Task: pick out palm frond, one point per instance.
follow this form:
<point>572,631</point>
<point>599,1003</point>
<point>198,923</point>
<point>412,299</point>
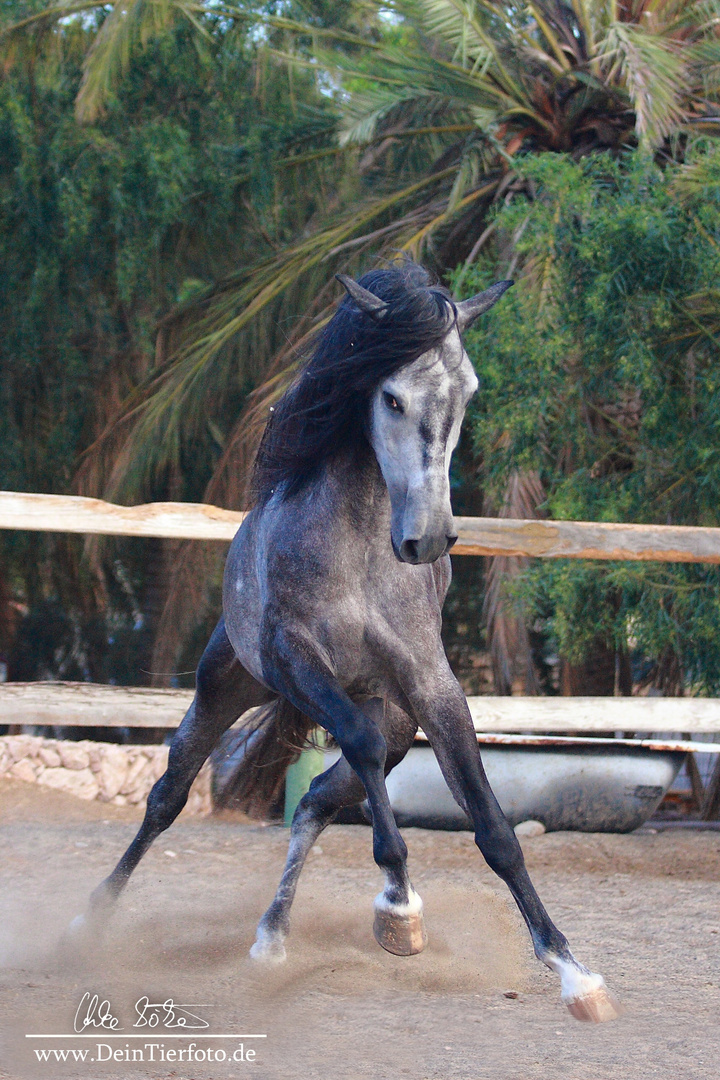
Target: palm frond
<point>562,60</point>
<point>699,177</point>
<point>654,72</point>
<point>586,13</point>
<point>456,22</point>
<point>25,42</point>
<point>153,423</point>
<point>704,58</point>
<point>368,109</point>
<point>130,24</point>
<point>699,18</point>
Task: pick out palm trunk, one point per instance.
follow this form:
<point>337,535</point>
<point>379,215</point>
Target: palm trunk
<point>509,640</point>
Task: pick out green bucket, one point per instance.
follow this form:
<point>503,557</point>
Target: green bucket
<point>300,775</point>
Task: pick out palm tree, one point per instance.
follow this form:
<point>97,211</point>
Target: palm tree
<point>435,112</point>
<point>436,109</point>
<point>104,227</point>
<point>434,105</point>
<point>547,77</point>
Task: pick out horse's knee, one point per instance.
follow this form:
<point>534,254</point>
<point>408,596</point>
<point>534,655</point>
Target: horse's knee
<point>500,849</point>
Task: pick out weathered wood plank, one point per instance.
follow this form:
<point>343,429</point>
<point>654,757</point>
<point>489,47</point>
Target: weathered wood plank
<point>73,513</point>
<point>586,540</point>
<point>92,704</point>
<point>476,536</point>
<point>595,714</point>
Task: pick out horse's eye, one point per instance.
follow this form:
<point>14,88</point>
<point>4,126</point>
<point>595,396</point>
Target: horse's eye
<point>392,402</point>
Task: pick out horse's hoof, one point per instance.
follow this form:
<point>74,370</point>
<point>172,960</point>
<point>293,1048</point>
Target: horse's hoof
<point>403,935</point>
<point>83,932</point>
<point>78,929</point>
<point>595,1007</point>
<point>79,940</point>
<point>268,949</point>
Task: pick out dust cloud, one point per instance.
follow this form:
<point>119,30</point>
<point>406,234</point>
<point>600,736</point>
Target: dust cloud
<point>184,926</point>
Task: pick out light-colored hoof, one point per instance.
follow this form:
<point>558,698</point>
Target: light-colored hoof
<point>84,932</point>
<point>80,941</point>
<point>403,935</point>
<point>268,950</point>
<point>78,928</point>
<point>596,1007</point>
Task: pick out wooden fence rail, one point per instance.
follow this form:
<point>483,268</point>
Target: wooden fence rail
<point>98,705</point>
<point>476,536</point>
<point>79,704</point>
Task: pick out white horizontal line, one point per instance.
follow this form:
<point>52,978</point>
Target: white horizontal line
<point>148,1035</point>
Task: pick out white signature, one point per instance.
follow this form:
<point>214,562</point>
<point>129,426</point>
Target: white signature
<point>166,1013</point>
<point>94,1013</point>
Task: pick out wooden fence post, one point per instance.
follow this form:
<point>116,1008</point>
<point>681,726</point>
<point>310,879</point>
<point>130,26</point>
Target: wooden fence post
<point>710,810</point>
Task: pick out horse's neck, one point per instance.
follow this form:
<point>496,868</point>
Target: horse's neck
<point>356,487</point>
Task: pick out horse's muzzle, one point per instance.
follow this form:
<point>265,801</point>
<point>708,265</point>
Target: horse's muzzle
<point>425,549</point>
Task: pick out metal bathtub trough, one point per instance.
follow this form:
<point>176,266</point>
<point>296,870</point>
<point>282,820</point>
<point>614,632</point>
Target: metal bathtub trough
<point>579,784</point>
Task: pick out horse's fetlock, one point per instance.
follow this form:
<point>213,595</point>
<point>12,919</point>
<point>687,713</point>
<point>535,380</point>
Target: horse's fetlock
<point>551,943</point>
<point>390,853</point>
<point>104,896</point>
<point>269,947</point>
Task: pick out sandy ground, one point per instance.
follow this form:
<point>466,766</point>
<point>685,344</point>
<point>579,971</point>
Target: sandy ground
<point>643,909</point>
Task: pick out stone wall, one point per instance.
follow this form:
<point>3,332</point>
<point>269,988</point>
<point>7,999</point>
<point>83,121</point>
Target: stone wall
<point>110,773</point>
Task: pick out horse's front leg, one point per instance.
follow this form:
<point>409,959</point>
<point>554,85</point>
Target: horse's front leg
<point>224,690</point>
<point>332,791</point>
<point>443,714</point>
<point>299,672</point>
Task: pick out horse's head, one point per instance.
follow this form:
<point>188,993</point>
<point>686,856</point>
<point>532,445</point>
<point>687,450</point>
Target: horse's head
<point>415,419</point>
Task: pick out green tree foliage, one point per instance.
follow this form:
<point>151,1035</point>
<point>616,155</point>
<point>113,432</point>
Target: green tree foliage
<point>180,180</point>
<point>433,100</point>
<point>601,374</point>
<point>105,230</point>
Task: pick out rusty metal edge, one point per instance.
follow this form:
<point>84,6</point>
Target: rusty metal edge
<point>672,745</point>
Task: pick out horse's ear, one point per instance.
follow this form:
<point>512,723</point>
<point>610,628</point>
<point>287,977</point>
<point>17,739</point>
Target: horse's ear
<point>368,302</point>
<point>468,310</point>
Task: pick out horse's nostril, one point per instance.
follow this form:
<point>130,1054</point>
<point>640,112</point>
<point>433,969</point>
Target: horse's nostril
<point>451,541</point>
<point>409,551</point>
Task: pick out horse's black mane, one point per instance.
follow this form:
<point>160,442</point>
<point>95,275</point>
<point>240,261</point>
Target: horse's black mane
<point>325,409</point>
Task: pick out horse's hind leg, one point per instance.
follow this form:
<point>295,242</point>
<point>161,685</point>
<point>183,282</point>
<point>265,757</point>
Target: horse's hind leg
<point>329,793</point>
<point>224,690</point>
<point>335,789</point>
<point>447,723</point>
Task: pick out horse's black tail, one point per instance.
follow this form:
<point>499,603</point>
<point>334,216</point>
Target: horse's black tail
<point>250,761</point>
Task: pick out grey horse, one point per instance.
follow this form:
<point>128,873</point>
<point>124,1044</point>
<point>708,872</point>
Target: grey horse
<point>332,604</point>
